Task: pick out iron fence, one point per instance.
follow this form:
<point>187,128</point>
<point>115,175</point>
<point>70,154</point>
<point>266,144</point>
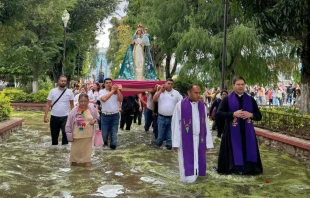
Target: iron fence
<point>288,122</point>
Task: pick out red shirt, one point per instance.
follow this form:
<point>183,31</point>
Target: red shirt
<point>144,98</point>
<point>269,95</point>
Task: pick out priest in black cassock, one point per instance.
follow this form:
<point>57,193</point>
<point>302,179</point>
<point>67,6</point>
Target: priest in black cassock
<point>239,153</point>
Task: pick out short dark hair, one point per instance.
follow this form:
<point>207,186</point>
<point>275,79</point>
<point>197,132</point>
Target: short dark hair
<point>107,79</point>
<point>224,91</point>
<point>190,87</point>
<point>169,79</point>
<point>62,76</point>
<point>238,78</point>
<point>83,96</point>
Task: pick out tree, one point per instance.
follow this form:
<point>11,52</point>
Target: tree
<point>85,21</point>
<point>31,35</point>
<point>193,31</point>
<point>37,37</point>
<point>288,20</point>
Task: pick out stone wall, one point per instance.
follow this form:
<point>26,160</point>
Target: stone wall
<point>9,126</point>
<point>28,106</point>
<point>279,142</point>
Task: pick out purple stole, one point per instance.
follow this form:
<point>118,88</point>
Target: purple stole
<point>187,138</point>
<point>251,147</point>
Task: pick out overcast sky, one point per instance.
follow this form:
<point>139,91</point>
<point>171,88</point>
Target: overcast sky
<point>104,38</point>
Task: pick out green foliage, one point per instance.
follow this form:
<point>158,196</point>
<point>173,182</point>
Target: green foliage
<point>46,84</point>
<point>17,95</point>
<point>40,96</point>
<point>120,39</point>
<point>181,83</point>
<point>32,33</point>
<point>5,108</point>
<point>285,120</point>
<point>281,109</point>
<point>193,31</point>
<point>287,20</point>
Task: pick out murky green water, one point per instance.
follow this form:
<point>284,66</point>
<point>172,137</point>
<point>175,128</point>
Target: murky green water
<point>30,167</point>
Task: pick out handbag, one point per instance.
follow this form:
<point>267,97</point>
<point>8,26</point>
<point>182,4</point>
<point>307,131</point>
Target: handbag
<point>98,141</point>
<point>212,116</point>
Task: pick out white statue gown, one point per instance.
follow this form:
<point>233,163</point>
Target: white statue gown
<point>138,57</point>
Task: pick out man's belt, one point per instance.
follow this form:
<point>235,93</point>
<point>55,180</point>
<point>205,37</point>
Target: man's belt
<point>110,113</point>
<point>164,116</point>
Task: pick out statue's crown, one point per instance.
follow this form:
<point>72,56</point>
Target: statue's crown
<point>140,26</point>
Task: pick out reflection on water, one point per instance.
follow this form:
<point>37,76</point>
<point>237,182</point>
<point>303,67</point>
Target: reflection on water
<point>31,167</point>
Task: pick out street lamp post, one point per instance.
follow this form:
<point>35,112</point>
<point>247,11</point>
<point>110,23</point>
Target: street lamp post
<point>153,54</point>
<point>65,18</point>
<point>224,46</point>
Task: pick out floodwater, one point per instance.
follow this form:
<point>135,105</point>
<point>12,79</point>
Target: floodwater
<point>31,167</point>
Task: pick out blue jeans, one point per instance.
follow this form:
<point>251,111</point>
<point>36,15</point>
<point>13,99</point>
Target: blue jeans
<point>109,125</point>
<point>274,101</point>
<point>155,118</point>
<point>164,131</point>
<point>148,119</point>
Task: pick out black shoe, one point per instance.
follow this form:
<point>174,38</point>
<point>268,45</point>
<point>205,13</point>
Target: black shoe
<point>112,147</point>
<point>214,168</point>
<point>169,147</point>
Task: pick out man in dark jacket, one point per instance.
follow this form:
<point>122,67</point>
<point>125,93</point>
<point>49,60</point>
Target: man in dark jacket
<point>218,122</point>
<point>128,110</point>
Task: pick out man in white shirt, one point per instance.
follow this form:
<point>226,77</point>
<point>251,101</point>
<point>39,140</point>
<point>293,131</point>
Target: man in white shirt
<point>167,99</point>
<point>109,98</point>
<point>191,135</point>
<point>58,100</point>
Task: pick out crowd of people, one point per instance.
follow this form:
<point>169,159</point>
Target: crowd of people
<point>276,95</point>
<point>181,124</point>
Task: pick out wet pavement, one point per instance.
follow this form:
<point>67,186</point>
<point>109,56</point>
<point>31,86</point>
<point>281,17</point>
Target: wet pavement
<point>31,167</point>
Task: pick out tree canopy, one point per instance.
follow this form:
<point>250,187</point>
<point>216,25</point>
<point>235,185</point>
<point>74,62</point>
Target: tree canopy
<point>189,34</point>
<point>31,35</point>
<point>288,21</point>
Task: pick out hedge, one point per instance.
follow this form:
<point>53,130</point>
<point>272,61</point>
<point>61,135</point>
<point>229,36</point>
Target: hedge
<point>285,120</point>
<point>16,95</point>
<point>5,108</point>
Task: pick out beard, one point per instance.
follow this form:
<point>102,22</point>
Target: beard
<point>62,86</point>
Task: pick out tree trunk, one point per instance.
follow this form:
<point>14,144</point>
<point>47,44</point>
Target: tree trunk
<point>305,74</point>
<point>35,81</point>
<point>168,60</point>
<point>15,82</point>
<point>174,68</point>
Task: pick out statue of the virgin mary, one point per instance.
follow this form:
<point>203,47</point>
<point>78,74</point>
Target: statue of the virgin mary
<point>137,63</point>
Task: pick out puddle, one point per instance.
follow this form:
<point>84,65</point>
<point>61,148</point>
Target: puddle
<point>152,181</point>
<point>110,191</point>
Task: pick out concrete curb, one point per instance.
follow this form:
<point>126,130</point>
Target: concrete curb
<point>300,143</point>
<point>11,123</point>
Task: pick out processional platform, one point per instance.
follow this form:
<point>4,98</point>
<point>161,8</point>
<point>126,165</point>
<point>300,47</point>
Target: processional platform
<point>132,87</point>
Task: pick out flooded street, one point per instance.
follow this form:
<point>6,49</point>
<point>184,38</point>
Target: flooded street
<point>31,167</point>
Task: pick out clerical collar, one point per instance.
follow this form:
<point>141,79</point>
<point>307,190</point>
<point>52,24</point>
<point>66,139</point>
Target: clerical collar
<point>239,94</point>
<point>193,102</point>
